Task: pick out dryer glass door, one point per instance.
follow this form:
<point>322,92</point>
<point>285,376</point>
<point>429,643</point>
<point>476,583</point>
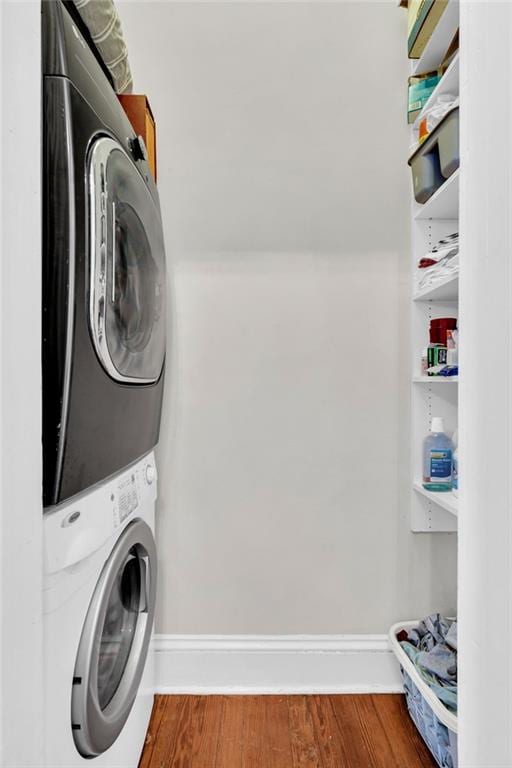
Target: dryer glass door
<point>127,268</point>
<point>114,642</point>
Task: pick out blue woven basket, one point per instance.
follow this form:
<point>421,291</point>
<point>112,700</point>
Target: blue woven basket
<point>436,724</point>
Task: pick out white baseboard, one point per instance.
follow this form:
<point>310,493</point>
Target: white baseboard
<point>273,664</point>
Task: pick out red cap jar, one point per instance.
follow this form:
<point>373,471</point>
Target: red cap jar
<point>438,328</point>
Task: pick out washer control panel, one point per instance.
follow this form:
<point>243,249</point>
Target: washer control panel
<point>76,529</point>
<point>127,498</point>
<point>150,474</point>
<point>133,489</point>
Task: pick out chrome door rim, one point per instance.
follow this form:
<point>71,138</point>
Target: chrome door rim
<point>101,150</point>
<point>94,729</point>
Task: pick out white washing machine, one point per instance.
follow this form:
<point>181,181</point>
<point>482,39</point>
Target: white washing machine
<point>99,601</point>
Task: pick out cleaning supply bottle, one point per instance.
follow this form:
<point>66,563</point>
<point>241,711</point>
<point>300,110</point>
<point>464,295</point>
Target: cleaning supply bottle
<point>455,464</point>
<point>437,458</point>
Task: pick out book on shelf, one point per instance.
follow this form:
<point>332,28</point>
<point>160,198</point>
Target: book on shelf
<point>423,18</point>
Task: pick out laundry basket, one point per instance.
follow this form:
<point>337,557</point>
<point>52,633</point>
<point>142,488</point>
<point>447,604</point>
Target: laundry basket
<point>437,725</point>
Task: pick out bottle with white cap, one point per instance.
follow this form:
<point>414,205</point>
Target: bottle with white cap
<point>437,458</point>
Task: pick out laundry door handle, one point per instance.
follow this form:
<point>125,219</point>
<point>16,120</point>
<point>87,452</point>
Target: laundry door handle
<point>144,586</point>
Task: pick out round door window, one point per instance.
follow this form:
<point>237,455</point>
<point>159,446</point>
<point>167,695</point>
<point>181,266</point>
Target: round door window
<point>114,642</point>
<point>119,628</point>
<point>127,268</point>
<point>137,293</point>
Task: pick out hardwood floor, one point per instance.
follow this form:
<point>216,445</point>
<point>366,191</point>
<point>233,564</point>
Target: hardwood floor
<point>283,732</point>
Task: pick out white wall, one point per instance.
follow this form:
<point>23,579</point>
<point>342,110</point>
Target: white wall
<point>485,615</point>
<point>21,666</point>
<point>284,456</point>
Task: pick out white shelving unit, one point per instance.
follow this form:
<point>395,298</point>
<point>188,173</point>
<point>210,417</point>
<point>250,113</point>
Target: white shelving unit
<point>437,218</point>
<point>440,40</point>
<point>444,290</point>
<point>447,501</point>
<point>435,380</point>
<point>444,204</point>
<point>449,83</point>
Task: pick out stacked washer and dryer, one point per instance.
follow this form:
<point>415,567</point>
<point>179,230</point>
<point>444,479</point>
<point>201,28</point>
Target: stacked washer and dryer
<point>103,362</point>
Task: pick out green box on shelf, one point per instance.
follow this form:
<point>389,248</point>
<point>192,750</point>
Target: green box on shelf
<point>420,90</point>
<point>436,355</point>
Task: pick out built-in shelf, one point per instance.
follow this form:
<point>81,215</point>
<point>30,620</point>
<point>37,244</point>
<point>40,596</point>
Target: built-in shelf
<point>440,39</point>
<point>446,500</point>
<point>435,379</point>
<point>444,290</point>
<point>444,204</point>
<point>434,220</point>
<point>449,83</point>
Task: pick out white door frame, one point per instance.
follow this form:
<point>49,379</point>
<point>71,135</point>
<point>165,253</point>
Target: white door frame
<point>21,641</point>
<point>485,389</point>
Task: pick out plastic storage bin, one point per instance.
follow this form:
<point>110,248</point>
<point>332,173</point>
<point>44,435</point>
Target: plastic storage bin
<point>436,724</point>
<point>437,158</point>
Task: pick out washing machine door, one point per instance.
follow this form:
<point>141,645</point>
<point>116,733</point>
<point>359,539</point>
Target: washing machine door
<point>114,642</point>
<point>126,267</point>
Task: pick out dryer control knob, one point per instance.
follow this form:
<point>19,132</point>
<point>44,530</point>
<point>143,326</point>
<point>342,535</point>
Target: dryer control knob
<point>150,474</point>
<point>138,148</point>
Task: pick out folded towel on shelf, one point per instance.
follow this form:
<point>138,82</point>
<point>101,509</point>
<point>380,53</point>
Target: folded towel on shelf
<point>104,25</point>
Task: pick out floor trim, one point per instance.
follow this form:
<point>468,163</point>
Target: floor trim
<point>272,664</point>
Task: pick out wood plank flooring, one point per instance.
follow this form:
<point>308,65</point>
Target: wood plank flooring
<point>283,732</point>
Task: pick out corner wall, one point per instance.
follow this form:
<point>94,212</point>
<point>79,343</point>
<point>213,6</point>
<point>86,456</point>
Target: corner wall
<point>284,450</point>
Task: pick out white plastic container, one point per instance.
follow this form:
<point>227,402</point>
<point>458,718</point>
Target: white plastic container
<point>436,724</point>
